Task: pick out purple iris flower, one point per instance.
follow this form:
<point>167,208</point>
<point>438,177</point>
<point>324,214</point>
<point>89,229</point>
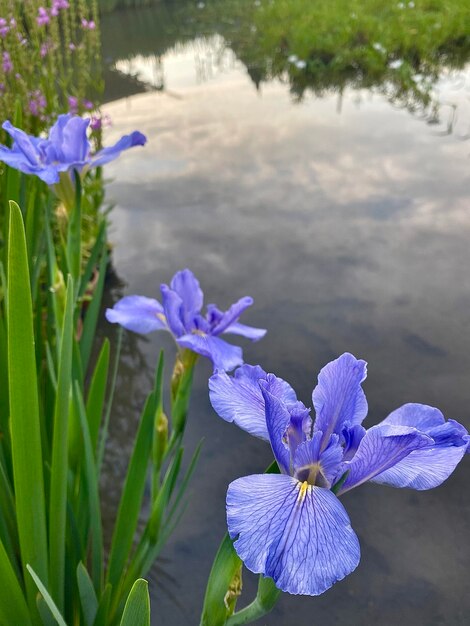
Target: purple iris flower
<point>66,148</point>
<point>180,313</point>
<point>291,526</point>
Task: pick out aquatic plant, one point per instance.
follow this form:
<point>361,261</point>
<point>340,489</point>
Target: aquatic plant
<point>180,314</point>
<point>291,526</point>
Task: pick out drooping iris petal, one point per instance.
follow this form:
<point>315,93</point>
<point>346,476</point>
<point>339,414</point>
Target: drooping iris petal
<point>173,307</point>
<point>232,315</point>
<point>381,448</point>
<point>250,332</point>
<point>423,469</point>
<point>319,467</point>
<point>137,313</point>
<point>277,422</point>
<point>23,142</point>
<point>187,287</point>
<point>297,534</point>
<point>112,152</point>
<point>338,398</point>
<point>224,356</point>
<point>239,399</point>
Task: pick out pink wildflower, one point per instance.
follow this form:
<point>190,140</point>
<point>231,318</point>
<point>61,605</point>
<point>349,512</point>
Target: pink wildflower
<point>43,17</point>
<point>7,63</point>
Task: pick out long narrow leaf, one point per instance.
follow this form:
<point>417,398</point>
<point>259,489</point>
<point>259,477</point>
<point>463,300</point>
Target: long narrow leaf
<point>132,493</point>
<point>101,618</point>
<point>107,415</point>
<point>13,607</point>
<point>87,593</point>
<point>24,409</point>
<point>91,317</point>
<point>59,465</point>
<point>93,259</point>
<point>93,495</point>
<point>45,594</point>
<point>97,393</point>
<point>137,609</point>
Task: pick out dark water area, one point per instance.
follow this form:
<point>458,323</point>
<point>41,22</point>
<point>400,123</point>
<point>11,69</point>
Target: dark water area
<point>346,217</point>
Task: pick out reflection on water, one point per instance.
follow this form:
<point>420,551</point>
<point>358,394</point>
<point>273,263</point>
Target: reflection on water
<point>351,232</point>
<point>401,51</point>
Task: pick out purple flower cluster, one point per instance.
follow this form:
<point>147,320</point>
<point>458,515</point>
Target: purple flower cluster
<point>44,15</point>
<point>4,27</point>
<point>88,24</point>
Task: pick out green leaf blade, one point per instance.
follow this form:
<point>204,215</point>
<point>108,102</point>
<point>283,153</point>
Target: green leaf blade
<point>24,408</point>
<point>59,465</point>
<point>137,609</point>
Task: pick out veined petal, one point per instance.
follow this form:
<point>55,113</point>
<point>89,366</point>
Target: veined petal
<point>186,285</point>
<point>112,152</point>
<point>239,399</point>
<point>174,312</point>
<point>232,315</point>
<point>297,534</point>
<point>138,313</point>
<point>223,355</point>
<point>381,448</point>
<point>250,332</point>
<point>277,422</point>
<point>419,416</point>
<point>338,398</point>
<point>423,469</point>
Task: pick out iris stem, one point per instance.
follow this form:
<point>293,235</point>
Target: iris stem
<point>253,611</point>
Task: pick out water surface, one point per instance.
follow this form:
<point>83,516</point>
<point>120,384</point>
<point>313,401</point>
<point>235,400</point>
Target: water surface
<point>347,219</point>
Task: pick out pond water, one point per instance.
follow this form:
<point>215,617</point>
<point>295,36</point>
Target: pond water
<point>347,219</point>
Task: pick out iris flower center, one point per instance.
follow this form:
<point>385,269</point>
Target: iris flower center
<point>313,475</point>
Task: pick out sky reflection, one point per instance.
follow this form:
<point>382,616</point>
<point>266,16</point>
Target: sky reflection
<point>351,231</point>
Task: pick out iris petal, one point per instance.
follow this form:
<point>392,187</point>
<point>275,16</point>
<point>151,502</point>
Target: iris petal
<point>381,448</point>
<point>75,145</point>
<point>277,422</point>
<point>232,315</point>
<point>174,312</point>
<point>112,152</point>
<point>298,535</point>
<point>420,416</point>
<point>137,313</point>
<point>250,332</point>
<point>338,398</point>
<point>239,399</point>
<point>187,287</point>
<point>423,469</point>
<point>23,142</point>
<point>223,355</point>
